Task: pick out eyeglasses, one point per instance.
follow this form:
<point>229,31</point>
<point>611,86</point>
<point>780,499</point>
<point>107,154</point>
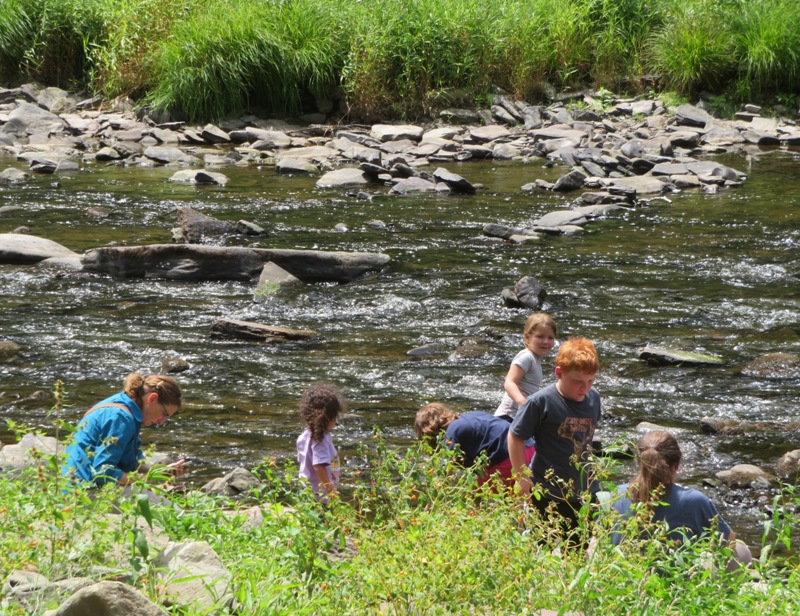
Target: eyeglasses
<point>164,410</point>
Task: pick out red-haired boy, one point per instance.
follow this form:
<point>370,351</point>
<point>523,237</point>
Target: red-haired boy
<point>561,418</point>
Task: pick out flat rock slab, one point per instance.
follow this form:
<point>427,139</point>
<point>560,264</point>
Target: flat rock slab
<point>200,262</point>
<point>248,330</point>
<point>342,177</point>
<point>642,184</point>
<point>21,249</point>
<point>395,132</point>
<point>671,357</point>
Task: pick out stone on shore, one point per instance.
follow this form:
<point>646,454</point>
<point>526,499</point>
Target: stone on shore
<point>108,598</point>
<point>29,119</point>
<point>232,329</point>
<point>396,132</point>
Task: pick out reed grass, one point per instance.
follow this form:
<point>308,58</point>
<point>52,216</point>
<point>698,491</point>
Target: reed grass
<point>206,59</point>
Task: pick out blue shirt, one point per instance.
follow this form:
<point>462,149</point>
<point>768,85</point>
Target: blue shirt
<point>687,512</point>
<point>106,443</point>
<point>478,432</point>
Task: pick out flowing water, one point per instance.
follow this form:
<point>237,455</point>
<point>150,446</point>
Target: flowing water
<point>710,273</point>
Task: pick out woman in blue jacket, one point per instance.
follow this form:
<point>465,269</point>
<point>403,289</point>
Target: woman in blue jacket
<point>106,447</point>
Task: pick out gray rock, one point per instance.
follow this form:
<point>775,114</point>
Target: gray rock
<point>291,164</point>
<point>494,230</point>
<point>689,115</point>
<point>671,357</point>
<point>198,228</point>
<point>8,349</point>
<point>485,134</point>
<point>268,139</point>
<point>200,262</point>
<point>18,249</point>
<point>456,183</point>
<point>669,169</point>
<point>530,292</point>
<point>560,218</point>
<point>214,134</point>
<point>642,185</point>
<point>501,114</point>
<point>505,151</point>
<point>460,116</point>
<point>232,329</point>
<point>410,185</point>
<point>774,366</point>
<point>107,154</point>
<point>210,177</point>
<point>108,599</point>
<point>166,155</point>
<point>239,482</point>
<point>28,119</point>
<point>715,425</point>
<point>709,167</point>
<point>245,227</point>
<point>339,178</point>
<point>744,476</point>
<point>20,455</point>
<point>12,175</point>
<point>174,365</point>
<point>194,577</point>
<point>396,132</point>
<point>427,350</point>
<point>569,182</point>
<point>272,278</point>
<point>789,464</point>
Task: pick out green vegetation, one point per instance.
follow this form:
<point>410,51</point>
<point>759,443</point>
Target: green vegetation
<point>392,58</point>
<point>414,535</point>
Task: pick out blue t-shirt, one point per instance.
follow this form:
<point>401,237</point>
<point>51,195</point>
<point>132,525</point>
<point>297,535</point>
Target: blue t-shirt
<point>107,442</point>
<point>477,432</point>
<point>563,431</point>
<point>687,512</point>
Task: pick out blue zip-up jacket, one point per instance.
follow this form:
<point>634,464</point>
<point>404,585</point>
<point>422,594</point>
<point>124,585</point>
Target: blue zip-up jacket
<point>107,443</point>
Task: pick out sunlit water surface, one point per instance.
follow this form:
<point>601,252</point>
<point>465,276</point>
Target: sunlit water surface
<point>710,273</point>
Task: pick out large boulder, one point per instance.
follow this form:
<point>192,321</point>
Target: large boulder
<point>28,119</point>
<point>22,249</point>
<point>199,262</point>
<point>31,450</point>
<point>239,482</point>
<point>193,576</point>
<point>109,599</point>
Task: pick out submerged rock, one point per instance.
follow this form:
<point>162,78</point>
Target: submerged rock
<point>774,366</point>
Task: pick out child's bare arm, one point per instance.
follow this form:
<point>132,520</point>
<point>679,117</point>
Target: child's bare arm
<point>516,453</point>
<point>323,477</point>
<point>513,378</point>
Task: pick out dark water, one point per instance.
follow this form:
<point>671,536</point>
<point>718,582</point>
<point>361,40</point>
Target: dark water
<point>709,273</point>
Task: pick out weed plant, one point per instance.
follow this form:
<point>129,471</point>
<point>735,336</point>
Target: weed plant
<point>415,534</point>
<point>384,59</point>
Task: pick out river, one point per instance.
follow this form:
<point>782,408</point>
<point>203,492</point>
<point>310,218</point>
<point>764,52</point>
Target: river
<point>711,273</point>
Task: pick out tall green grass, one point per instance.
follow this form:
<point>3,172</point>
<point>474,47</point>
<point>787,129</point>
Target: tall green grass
<point>393,58</point>
<point>767,44</point>
<point>239,54</point>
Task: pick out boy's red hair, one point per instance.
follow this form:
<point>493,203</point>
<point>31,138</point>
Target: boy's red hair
<point>578,355</point>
